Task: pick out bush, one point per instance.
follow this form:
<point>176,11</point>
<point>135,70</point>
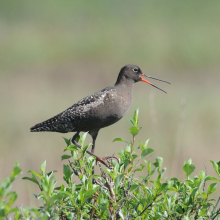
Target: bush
<point>116,193</point>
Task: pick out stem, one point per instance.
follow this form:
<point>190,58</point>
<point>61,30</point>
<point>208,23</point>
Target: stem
<point>132,145</point>
<point>148,206</point>
<point>131,153</point>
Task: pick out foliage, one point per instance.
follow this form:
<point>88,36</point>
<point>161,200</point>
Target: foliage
<point>7,199</point>
<point>116,192</point>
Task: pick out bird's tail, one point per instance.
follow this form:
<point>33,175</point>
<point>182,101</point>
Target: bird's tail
<point>48,125</point>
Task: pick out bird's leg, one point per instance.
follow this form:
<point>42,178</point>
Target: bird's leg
<point>93,149</point>
<point>88,152</point>
<point>94,135</point>
<point>93,145</point>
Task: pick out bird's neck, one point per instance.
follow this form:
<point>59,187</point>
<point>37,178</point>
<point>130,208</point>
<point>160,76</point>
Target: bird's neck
<point>124,96</point>
<point>125,87</point>
<point>123,81</point>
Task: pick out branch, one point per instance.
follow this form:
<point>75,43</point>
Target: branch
<point>74,170</point>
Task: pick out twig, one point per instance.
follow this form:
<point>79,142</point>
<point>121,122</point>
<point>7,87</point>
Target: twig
<point>147,206</point>
<point>105,177</point>
<point>205,175</point>
<point>131,170</point>
<point>22,211</point>
<point>216,206</point>
<point>129,183</point>
<point>98,183</point>
<point>74,170</point>
<point>216,214</point>
<point>137,188</point>
<point>110,186</point>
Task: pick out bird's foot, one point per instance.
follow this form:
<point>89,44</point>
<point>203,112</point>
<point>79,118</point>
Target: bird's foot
<point>92,154</point>
<point>98,159</point>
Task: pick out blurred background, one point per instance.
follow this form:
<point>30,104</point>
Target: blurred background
<point>53,53</point>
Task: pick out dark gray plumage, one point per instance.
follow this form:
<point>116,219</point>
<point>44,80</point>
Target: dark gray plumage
<point>98,110</point>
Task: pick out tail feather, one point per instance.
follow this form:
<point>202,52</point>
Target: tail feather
<point>52,124</point>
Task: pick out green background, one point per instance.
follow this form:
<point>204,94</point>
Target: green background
<point>53,53</point>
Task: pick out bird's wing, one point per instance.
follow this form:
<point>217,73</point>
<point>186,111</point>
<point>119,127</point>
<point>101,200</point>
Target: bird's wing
<point>72,117</point>
<point>79,110</point>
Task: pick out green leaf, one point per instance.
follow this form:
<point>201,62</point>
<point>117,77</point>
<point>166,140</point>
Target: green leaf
<point>95,176</point>
<point>131,120</point>
<point>66,193</point>
<point>16,171</point>
<point>109,173</point>
<point>13,210</point>
<point>121,215</point>
<point>134,156</point>
<point>203,212</point>
<point>118,139</point>
<point>85,148</point>
<point>216,166</point>
<point>204,195</point>
<point>188,167</point>
<point>88,194</point>
<point>64,157</point>
<point>134,130</point>
<point>13,197</point>
<point>35,173</point>
<point>148,164</point>
<point>71,147</point>
<point>83,137</point>
<point>135,118</point>
<point>68,142</point>
<point>193,194</point>
<point>146,143</point>
<point>43,167</point>
<point>144,146</point>
<point>138,169</point>
<point>157,184</point>
<point>211,178</point>
<point>202,175</point>
<point>211,188</point>
<point>146,152</point>
<point>67,173</point>
<point>126,162</point>
<point>128,149</point>
<point>50,173</point>
<point>141,145</point>
<point>118,180</point>
<point>115,171</point>
<point>33,179</point>
<point>159,162</point>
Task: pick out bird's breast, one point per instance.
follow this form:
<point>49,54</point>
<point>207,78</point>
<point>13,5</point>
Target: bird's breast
<point>113,107</point>
<point>106,108</point>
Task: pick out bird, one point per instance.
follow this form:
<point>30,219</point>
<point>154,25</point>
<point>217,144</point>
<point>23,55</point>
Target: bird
<point>99,110</point>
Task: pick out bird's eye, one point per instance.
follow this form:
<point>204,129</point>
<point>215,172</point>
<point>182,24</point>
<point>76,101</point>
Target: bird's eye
<point>135,70</point>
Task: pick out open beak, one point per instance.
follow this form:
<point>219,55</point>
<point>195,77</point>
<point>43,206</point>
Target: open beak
<point>151,83</point>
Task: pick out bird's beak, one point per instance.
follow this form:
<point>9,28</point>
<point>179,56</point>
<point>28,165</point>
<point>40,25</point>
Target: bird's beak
<point>151,83</point>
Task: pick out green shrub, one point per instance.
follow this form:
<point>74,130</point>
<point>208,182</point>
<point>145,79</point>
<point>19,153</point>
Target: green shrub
<point>116,192</point>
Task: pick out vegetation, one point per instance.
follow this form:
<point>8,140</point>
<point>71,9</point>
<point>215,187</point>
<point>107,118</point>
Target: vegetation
<point>116,192</point>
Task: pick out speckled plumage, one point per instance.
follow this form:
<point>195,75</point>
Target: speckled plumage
<point>88,114</point>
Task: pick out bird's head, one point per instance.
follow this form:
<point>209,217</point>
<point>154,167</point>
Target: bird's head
<point>132,73</point>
